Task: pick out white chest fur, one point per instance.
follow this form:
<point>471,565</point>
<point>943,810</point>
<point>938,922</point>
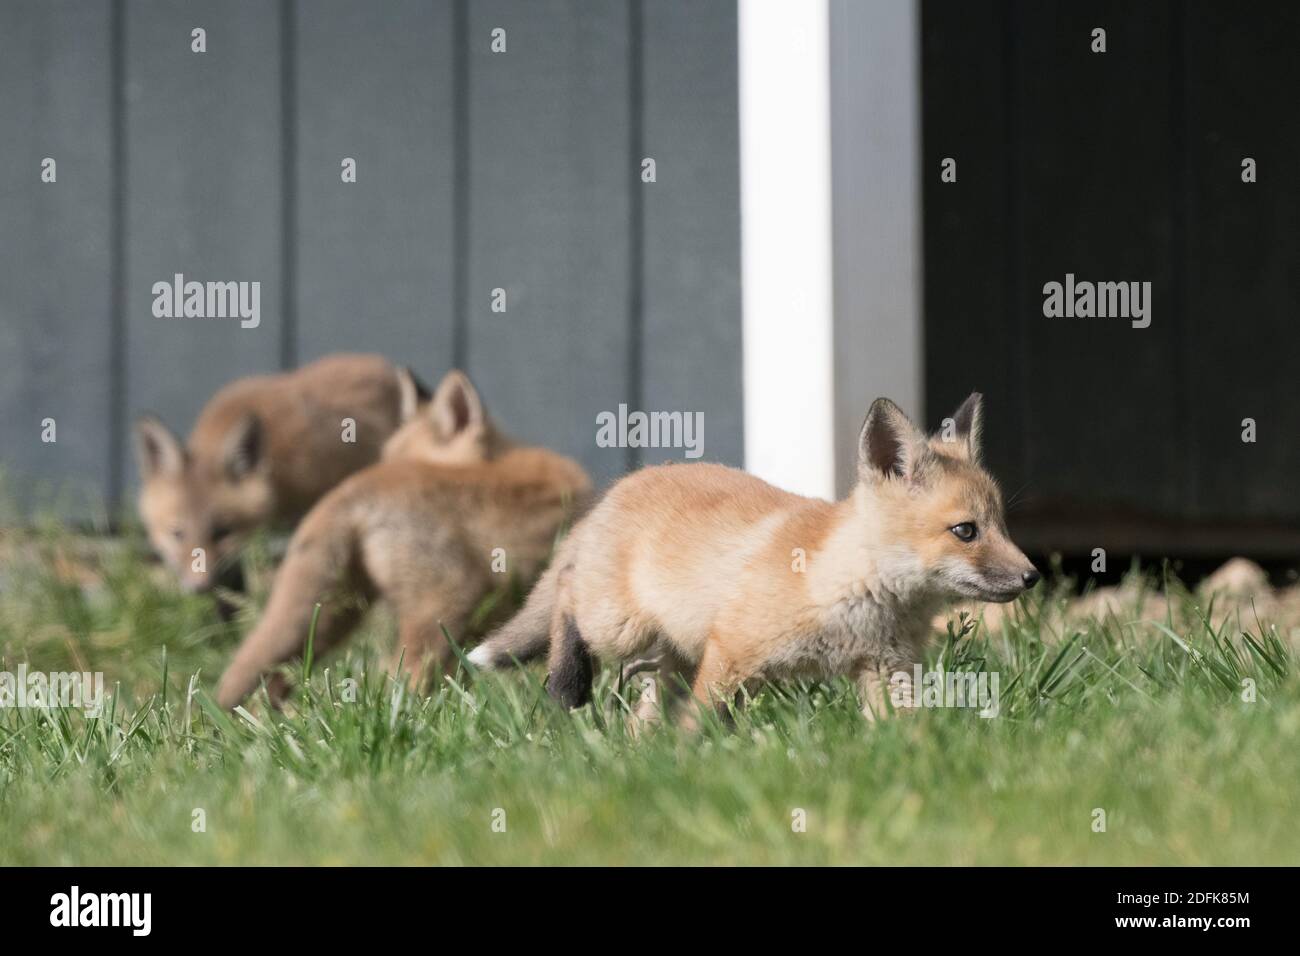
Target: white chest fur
<point>856,633</point>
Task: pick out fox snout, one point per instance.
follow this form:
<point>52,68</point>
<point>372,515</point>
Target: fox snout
<point>197,582</point>
<point>994,569</point>
<point>1010,584</point>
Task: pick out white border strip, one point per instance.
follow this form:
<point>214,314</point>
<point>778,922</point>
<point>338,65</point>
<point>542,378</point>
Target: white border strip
<point>786,272</point>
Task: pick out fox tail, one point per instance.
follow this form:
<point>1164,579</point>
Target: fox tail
<point>526,636</point>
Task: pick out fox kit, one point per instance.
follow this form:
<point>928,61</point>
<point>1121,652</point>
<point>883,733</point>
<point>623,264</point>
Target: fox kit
<point>735,582</point>
<point>422,529</point>
<point>263,450</point>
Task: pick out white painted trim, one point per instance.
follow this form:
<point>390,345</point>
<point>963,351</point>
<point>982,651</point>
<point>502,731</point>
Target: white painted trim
<point>785,195</point>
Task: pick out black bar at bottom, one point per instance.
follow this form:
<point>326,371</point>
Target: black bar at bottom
<point>336,906</point>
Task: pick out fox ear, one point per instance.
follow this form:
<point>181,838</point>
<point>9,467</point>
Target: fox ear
<point>968,421</point>
<point>157,449</point>
<point>242,451</point>
<point>411,394</point>
<point>456,405</point>
<point>889,444</point>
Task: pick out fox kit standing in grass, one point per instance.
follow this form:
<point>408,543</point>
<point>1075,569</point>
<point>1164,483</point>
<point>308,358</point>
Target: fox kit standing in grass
<point>263,450</point>
<point>422,529</point>
<point>705,562</point>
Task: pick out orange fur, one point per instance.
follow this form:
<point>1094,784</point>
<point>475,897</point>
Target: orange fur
<point>263,451</point>
<point>418,530</point>
<point>736,581</point>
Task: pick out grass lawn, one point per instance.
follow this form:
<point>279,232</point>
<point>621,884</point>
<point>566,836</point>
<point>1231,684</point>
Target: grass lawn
<point>1142,719</point>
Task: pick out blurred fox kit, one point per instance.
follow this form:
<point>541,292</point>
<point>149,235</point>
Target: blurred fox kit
<point>701,564</point>
<point>263,451</point>
<point>420,529</point>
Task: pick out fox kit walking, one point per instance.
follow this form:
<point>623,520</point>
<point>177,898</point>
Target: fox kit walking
<point>262,452</point>
<point>421,529</point>
<point>737,582</point>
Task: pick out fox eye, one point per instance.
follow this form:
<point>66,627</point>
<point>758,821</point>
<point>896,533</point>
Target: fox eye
<point>178,533</point>
<point>966,531</point>
<point>220,532</point>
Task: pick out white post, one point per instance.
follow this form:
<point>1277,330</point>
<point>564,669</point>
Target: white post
<point>785,196</point>
<point>830,140</point>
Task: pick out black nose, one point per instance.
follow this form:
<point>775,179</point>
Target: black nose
<point>1031,577</point>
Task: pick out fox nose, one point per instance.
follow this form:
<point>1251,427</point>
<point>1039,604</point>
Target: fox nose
<point>1031,577</point>
<point>197,584</point>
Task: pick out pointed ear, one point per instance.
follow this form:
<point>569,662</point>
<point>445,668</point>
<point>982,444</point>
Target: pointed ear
<point>158,451</point>
<point>242,450</point>
<point>968,421</point>
<point>456,405</point>
<point>411,392</point>
<point>889,444</point>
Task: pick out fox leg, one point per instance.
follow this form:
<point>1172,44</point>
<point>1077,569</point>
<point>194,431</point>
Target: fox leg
<point>431,603</point>
<point>666,693</point>
<point>282,634</point>
<point>229,578</point>
<point>717,683</point>
<point>885,689</point>
<point>569,662</point>
<point>319,567</point>
<point>570,666</point>
<point>426,653</point>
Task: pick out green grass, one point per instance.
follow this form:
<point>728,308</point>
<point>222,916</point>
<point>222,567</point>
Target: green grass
<point>1143,720</point>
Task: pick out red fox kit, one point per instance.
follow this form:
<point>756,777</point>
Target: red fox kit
<point>422,529</point>
<point>736,582</point>
<point>263,450</point>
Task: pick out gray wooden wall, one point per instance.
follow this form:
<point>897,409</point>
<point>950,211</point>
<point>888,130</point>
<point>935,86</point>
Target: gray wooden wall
<point>476,170</point>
